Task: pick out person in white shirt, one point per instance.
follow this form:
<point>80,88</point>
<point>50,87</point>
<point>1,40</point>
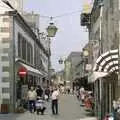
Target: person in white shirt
<point>82,94</point>
<point>55,97</point>
<point>32,95</point>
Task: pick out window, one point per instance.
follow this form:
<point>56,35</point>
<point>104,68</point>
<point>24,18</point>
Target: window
<point>24,48</point>
<point>5,40</point>
<point>4,58</point>
<point>28,52</point>
<point>5,19</point>
<point>5,90</point>
<point>20,45</point>
<point>31,54</point>
<point>6,101</point>
<point>19,50</point>
<point>4,29</point>
<point>35,55</point>
<point>5,69</point>
<point>5,79</point>
<point>5,50</point>
<point>111,4</point>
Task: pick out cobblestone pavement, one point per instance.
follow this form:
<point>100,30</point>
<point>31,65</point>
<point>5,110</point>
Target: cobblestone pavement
<point>69,109</point>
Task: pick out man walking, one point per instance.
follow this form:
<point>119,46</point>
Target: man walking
<point>39,91</point>
<point>55,97</point>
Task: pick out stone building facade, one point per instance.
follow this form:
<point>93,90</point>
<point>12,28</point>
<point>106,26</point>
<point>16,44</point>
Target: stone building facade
<point>18,48</point>
<point>70,66</point>
<point>103,26</point>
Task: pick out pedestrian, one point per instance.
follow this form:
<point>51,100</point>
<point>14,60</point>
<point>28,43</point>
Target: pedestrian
<point>68,90</point>
<point>55,98</point>
<point>47,93</point>
<point>115,107</point>
<point>32,95</point>
<point>82,94</point>
<point>40,105</point>
<point>39,91</point>
<point>62,89</point>
<point>77,94</point>
<point>71,91</point>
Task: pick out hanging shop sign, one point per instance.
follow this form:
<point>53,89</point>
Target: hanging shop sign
<point>22,72</point>
<point>88,67</point>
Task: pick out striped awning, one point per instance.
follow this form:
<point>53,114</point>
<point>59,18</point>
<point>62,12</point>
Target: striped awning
<point>107,62</point>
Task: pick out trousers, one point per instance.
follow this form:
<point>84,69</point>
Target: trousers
<point>55,106</point>
<point>32,105</point>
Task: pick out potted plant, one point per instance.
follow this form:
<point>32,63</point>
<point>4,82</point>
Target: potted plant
<point>20,109</point>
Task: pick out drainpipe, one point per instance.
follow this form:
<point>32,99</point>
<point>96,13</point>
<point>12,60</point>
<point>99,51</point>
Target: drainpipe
<point>100,40</point>
<point>100,51</point>
<point>49,64</point>
<point>118,84</point>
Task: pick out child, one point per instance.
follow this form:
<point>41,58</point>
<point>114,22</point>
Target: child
<point>40,106</point>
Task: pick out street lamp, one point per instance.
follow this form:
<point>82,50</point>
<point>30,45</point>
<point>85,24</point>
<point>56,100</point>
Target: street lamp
<point>85,53</point>
<point>51,29</point>
<point>60,61</point>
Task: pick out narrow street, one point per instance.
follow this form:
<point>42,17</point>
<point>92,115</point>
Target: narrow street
<point>69,109</point>
<point>71,46</point>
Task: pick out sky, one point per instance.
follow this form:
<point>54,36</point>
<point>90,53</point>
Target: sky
<point>70,35</point>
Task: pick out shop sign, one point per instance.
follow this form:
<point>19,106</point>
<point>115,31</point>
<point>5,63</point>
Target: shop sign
<point>22,72</point>
<point>88,67</point>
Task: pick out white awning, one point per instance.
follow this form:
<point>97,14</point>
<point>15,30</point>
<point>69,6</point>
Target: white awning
<point>107,62</point>
<point>97,75</point>
<point>31,69</point>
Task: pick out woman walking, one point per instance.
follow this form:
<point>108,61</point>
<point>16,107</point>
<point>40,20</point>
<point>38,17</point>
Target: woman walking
<point>32,95</point>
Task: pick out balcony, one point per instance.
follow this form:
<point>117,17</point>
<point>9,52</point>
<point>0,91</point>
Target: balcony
<point>85,19</point>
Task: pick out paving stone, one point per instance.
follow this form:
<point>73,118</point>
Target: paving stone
<point>69,109</point>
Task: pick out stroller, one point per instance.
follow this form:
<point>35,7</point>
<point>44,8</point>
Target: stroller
<point>40,106</point>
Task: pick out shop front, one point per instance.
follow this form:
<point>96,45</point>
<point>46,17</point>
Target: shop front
<point>82,82</point>
<point>26,76</point>
<point>105,94</point>
<point>105,82</point>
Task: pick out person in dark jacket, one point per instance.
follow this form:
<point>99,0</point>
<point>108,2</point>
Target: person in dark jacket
<point>39,91</point>
<point>47,92</point>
